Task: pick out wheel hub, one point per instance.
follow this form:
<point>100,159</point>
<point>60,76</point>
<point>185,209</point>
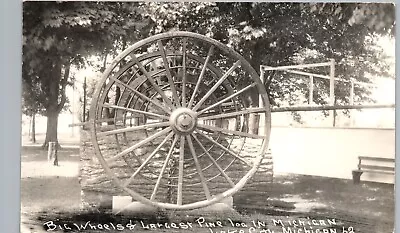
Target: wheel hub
<point>178,150</point>
<point>183,120</point>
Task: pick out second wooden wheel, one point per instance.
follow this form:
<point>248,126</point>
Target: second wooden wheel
<point>176,108</point>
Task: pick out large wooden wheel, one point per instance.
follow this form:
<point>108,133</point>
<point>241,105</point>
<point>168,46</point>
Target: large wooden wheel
<point>176,109</point>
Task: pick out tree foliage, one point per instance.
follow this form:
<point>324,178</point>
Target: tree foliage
<point>58,35</point>
<point>277,34</point>
<point>377,17</point>
<point>61,35</point>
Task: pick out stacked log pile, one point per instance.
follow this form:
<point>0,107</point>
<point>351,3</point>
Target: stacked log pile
<point>97,189</point>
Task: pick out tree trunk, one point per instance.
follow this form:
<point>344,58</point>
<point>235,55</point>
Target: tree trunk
<point>53,108</point>
<point>51,131</point>
<point>255,61</point>
<point>57,81</point>
<point>30,127</point>
<point>117,96</point>
<point>107,112</point>
<point>33,133</point>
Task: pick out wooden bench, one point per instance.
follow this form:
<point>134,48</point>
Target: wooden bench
<point>385,166</point>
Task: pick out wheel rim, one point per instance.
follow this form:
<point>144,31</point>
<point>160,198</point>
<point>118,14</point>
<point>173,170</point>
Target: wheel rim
<point>181,89</point>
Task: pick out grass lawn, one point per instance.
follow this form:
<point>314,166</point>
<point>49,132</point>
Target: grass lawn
<point>52,194</point>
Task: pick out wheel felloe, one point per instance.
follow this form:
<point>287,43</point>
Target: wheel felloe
<point>186,106</point>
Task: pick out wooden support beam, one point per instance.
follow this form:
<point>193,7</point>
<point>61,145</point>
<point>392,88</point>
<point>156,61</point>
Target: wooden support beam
<point>311,90</point>
<point>308,74</point>
<point>329,107</point>
<point>287,109</point>
<point>332,83</point>
<point>297,66</point>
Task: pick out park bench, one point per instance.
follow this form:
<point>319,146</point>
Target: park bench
<point>380,165</point>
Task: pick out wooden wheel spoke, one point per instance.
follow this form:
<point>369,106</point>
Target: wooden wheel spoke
<point>136,111</point>
<point>139,144</point>
<point>153,82</point>
<point>153,195</point>
<point>214,162</point>
<point>227,98</point>
<point>179,108</point>
<point>145,162</point>
<point>203,71</point>
<point>153,101</point>
<point>168,72</point>
<point>216,85</point>
<point>115,119</point>
<point>198,168</point>
<point>229,132</point>
<point>134,128</point>
<point>184,72</point>
<point>223,147</point>
<point>180,175</point>
<point>232,114</point>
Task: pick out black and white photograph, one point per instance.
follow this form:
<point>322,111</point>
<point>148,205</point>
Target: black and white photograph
<point>209,117</point>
